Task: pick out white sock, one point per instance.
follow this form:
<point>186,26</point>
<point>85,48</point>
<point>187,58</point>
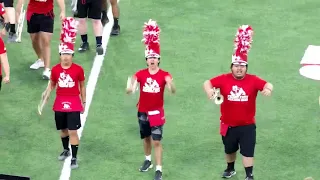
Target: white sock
<point>159,168</point>
<point>148,158</point>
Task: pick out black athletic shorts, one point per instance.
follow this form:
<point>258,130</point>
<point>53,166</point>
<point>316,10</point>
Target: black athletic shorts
<point>41,23</point>
<point>89,9</point>
<point>67,120</point>
<point>147,131</point>
<point>0,81</point>
<point>243,136</point>
<point>7,3</point>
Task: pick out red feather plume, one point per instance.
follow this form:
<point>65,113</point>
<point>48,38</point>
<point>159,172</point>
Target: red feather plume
<point>243,39</point>
<point>151,33</point>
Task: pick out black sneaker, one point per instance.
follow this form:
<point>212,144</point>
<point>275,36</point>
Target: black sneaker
<point>158,175</point>
<point>84,47</point>
<point>75,14</point>
<point>64,155</point>
<point>74,163</point>
<point>115,30</point>
<point>104,18</point>
<point>146,166</point>
<point>99,49</point>
<point>228,173</point>
<point>249,178</point>
<point>12,38</point>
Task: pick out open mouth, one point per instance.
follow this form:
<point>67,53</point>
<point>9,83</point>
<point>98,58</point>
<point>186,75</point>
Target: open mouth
<point>152,63</point>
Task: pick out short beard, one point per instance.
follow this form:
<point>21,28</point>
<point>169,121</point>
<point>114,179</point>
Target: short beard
<point>238,77</point>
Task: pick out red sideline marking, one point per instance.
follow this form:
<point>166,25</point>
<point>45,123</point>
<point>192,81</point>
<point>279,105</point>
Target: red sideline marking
<point>310,64</point>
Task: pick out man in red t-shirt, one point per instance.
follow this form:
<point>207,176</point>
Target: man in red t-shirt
<point>152,82</point>
<point>239,91</point>
<point>4,64</point>
<point>69,80</point>
<point>40,25</point>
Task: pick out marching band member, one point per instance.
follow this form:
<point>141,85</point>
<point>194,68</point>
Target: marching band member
<point>69,80</point>
<point>11,19</point>
<point>40,25</point>
<point>153,81</point>
<point>238,109</point>
<point>4,64</point>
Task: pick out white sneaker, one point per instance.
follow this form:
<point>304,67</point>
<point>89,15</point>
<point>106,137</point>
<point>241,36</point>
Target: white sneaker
<point>46,74</point>
<point>38,64</point>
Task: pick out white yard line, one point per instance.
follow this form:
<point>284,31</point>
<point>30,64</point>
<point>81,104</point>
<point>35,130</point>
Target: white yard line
<point>91,85</point>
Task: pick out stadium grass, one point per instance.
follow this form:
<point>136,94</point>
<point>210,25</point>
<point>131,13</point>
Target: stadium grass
<point>196,44</point>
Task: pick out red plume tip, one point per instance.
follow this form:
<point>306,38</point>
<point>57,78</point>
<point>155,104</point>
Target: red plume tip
<point>243,39</point>
<point>151,32</point>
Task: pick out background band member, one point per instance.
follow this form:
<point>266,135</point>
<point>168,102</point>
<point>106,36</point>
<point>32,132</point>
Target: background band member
<point>90,9</point>
<point>40,25</point>
<point>4,64</point>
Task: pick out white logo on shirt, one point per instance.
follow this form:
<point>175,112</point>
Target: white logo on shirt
<point>66,105</point>
<point>151,86</point>
<point>65,81</point>
<point>237,94</point>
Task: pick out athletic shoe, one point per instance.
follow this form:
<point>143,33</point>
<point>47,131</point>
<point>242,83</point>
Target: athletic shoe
<point>12,37</point>
<point>74,163</point>
<point>115,30</point>
<point>146,165</point>
<point>38,64</point>
<point>249,178</point>
<point>2,22</point>
<point>84,47</point>
<point>99,49</point>
<point>158,175</point>
<point>228,173</point>
<point>64,155</point>
<point>46,74</point>
<point>104,19</point>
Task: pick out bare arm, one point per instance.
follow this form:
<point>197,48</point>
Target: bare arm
<point>50,87</point>
<point>83,92</point>
<point>170,84</point>
<point>268,86</point>
<point>5,64</point>
<point>131,87</point>
<point>208,89</point>
<point>61,5</point>
<point>267,89</point>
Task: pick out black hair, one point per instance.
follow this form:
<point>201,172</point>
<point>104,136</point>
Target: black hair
<point>158,62</point>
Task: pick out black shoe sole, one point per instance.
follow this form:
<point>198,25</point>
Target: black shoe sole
<point>99,50</point>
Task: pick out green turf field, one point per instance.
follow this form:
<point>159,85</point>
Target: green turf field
<point>196,44</point>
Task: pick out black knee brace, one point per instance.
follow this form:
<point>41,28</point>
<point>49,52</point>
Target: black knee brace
<point>8,3</point>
